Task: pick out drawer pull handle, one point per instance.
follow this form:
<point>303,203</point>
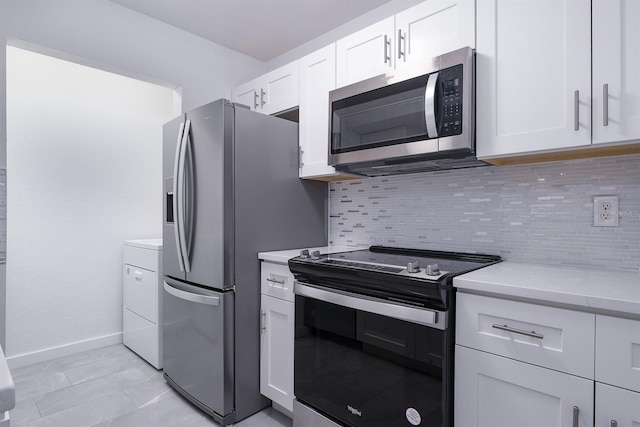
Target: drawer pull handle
<point>532,334</point>
<point>263,319</point>
<point>280,282</point>
<point>576,416</point>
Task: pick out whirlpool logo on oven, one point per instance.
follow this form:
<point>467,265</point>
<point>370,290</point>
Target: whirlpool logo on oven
<point>354,411</point>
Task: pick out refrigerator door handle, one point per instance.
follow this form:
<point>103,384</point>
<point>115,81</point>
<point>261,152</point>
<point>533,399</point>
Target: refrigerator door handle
<point>192,297</point>
<point>181,198</point>
<point>176,195</point>
<point>189,199</point>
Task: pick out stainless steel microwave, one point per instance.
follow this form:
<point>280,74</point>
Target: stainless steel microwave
<point>398,124</point>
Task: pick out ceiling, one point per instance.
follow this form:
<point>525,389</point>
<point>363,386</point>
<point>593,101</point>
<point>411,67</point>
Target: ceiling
<point>262,29</point>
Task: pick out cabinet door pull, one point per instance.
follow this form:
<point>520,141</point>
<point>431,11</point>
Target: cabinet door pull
<point>300,162</point>
<point>262,94</point>
<point>400,40</point>
<point>280,282</point>
<point>614,423</point>
<point>576,416</point>
<point>605,104</point>
<point>255,100</point>
<point>576,110</point>
<point>387,44</point>
<point>532,334</point>
<point>263,316</point>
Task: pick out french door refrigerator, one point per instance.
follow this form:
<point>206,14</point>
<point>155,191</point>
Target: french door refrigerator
<point>231,190</point>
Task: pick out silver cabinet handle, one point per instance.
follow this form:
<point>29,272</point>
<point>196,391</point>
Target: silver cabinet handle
<point>430,105</point>
<point>605,104</point>
<point>576,110</point>
<point>300,151</point>
<point>177,195</point>
<point>263,318</point>
<point>280,282</point>
<point>255,100</point>
<point>532,334</point>
<point>576,416</point>
<point>400,40</point>
<point>262,94</point>
<point>188,296</point>
<point>387,45</point>
<point>614,423</point>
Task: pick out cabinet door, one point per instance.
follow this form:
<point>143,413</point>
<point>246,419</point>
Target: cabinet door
<point>432,28</point>
<point>317,78</point>
<point>618,351</point>
<point>279,89</point>
<point>493,391</point>
<point>247,94</point>
<point>276,350</point>
<point>533,73</point>
<point>366,53</point>
<point>616,404</point>
<point>616,63</point>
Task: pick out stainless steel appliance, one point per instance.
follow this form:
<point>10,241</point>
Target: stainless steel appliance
<point>393,124</point>
<point>231,190</point>
<point>374,336</point>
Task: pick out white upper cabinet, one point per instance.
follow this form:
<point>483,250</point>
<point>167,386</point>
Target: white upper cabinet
<point>317,78</point>
<point>366,53</point>
<point>432,28</point>
<point>404,41</point>
<point>271,93</point>
<point>616,70</point>
<point>533,75</point>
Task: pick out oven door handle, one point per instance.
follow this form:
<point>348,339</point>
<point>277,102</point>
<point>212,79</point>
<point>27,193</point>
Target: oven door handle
<point>421,316</point>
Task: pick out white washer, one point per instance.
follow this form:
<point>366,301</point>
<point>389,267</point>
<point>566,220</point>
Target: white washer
<point>142,299</point>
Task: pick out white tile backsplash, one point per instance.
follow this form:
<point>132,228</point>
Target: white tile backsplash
<point>533,213</point>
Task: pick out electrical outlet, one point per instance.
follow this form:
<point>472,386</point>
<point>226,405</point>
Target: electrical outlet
<point>605,211</point>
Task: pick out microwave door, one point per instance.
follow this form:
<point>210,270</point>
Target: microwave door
<point>430,106</point>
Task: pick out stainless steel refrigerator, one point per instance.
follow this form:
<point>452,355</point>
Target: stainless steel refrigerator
<point>231,190</point>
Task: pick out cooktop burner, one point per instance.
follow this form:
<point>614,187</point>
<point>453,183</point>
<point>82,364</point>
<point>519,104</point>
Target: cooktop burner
<point>417,276</point>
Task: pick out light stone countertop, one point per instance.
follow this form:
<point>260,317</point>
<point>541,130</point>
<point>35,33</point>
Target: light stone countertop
<point>594,290</point>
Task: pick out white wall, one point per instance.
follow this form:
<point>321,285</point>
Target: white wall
<point>85,159</point>
<point>108,36</point>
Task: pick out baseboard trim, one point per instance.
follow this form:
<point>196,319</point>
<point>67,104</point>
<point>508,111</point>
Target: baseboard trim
<point>63,350</point>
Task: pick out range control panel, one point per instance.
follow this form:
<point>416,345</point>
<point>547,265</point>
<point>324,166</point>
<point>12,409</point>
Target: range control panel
<point>450,101</point>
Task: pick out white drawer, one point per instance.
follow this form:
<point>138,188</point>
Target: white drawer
<point>276,280</point>
<point>140,292</point>
<point>144,258</point>
<point>143,337</point>
<point>618,352</point>
<point>565,340</point>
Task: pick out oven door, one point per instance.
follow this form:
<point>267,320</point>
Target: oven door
<point>366,362</point>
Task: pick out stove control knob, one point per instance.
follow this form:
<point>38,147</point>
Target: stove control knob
<point>304,254</point>
<point>413,267</point>
<point>315,255</point>
<point>433,270</point>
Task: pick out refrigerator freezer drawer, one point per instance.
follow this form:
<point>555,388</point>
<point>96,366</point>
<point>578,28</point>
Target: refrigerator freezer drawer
<point>198,344</point>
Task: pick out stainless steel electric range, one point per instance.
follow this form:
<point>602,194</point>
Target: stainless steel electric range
<point>374,336</point>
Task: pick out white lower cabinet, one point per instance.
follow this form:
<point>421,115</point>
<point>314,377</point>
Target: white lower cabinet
<point>616,407</point>
<point>494,391</point>
<point>277,332</point>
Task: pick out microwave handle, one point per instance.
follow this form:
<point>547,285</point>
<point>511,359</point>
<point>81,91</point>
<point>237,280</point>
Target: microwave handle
<point>430,105</point>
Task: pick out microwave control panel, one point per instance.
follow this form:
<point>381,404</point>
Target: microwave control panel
<point>450,101</point>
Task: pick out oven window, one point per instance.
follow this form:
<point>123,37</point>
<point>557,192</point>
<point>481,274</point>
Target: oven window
<point>387,116</point>
<point>365,369</point>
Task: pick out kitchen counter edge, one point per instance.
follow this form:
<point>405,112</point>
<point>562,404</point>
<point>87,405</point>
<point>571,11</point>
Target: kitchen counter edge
<point>600,291</point>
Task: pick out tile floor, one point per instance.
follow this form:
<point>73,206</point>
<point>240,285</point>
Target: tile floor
<point>112,387</point>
